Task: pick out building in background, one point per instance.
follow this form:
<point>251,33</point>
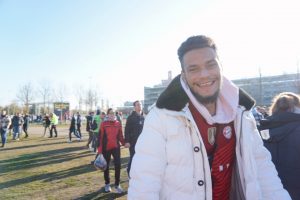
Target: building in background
<point>264,88</point>
<point>151,94</point>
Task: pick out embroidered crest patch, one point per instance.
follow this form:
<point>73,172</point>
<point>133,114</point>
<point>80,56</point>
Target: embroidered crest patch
<point>211,135</point>
<point>227,132</point>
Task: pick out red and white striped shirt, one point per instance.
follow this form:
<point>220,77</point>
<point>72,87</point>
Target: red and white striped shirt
<point>219,141</point>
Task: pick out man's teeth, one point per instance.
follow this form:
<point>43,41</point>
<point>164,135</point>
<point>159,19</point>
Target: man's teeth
<point>206,84</point>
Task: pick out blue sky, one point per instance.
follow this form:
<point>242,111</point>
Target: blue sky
<point>121,46</point>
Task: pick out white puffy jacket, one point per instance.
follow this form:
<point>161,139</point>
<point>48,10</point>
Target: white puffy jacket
<point>167,165</point>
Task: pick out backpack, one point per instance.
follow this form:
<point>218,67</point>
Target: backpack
<point>94,125</point>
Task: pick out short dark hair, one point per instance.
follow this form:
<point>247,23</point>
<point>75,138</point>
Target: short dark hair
<point>98,111</point>
<point>135,102</point>
<point>195,42</point>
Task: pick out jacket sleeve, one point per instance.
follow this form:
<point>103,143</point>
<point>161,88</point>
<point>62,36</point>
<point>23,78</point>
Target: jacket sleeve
<point>149,161</point>
<point>100,138</point>
<point>120,135</point>
<point>268,179</point>
<point>128,129</point>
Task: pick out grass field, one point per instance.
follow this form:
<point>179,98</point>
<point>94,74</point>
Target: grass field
<point>50,168</point>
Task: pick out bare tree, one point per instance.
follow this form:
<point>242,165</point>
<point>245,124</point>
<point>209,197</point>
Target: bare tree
<point>26,95</point>
<point>61,93</point>
<point>92,98</point>
<point>79,92</point>
<point>45,92</point>
<point>96,98</point>
<point>13,108</point>
<point>89,100</point>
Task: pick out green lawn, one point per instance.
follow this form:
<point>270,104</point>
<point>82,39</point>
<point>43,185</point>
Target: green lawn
<point>51,168</point>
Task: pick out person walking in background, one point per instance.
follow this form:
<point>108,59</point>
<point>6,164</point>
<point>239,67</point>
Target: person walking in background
<point>25,125</point>
<point>97,120</point>
<point>281,134</point>
<point>89,122</point>
<point>46,123</point>
<point>53,122</point>
<point>73,128</point>
<point>4,125</point>
<point>95,128</point>
<point>200,139</point>
<point>17,122</point>
<point>78,124</point>
<point>111,136</point>
<point>119,117</point>
<point>133,128</point>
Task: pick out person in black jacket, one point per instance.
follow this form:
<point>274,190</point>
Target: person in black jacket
<point>133,128</point>
<point>89,122</point>
<point>74,129</point>
<point>78,124</point>
<point>25,125</point>
<point>46,123</point>
<point>281,134</point>
<point>17,123</point>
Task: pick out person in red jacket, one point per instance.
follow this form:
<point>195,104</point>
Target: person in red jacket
<point>111,136</point>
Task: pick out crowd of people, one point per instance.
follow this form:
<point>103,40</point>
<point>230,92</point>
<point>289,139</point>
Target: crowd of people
<point>203,139</point>
<point>105,134</point>
<point>15,125</point>
<point>18,124</point>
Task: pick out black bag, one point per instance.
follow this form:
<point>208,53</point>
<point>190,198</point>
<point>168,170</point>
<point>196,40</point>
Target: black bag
<point>94,125</point>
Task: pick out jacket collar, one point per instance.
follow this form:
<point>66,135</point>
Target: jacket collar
<point>174,97</point>
<point>279,119</point>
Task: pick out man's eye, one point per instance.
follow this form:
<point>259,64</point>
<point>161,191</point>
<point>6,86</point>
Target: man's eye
<point>192,69</point>
<point>212,65</point>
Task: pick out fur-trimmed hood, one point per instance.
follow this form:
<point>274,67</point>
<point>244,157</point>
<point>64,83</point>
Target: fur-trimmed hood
<point>174,97</point>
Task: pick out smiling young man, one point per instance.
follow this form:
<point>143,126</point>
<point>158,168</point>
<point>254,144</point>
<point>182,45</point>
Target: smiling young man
<point>200,140</point>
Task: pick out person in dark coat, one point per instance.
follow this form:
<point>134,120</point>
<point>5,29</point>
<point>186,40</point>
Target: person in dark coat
<point>89,122</point>
<point>5,122</point>
<point>78,124</point>
<point>25,125</point>
<point>281,134</point>
<point>74,128</point>
<point>133,129</point>
<point>17,123</point>
<point>46,123</point>
<point>119,117</point>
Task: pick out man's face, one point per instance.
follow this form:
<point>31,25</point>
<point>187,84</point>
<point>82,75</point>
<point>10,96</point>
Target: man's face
<point>201,70</point>
<point>4,112</point>
<point>138,107</point>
